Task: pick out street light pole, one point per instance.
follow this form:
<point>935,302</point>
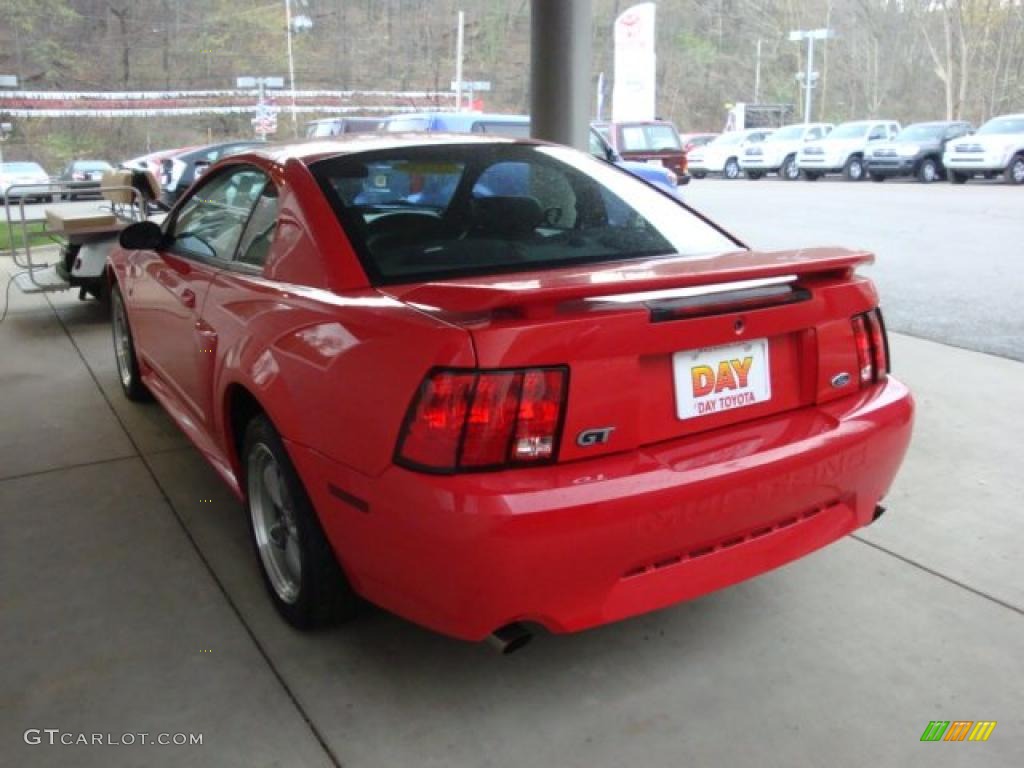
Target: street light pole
<point>810,35</point>
<point>808,81</point>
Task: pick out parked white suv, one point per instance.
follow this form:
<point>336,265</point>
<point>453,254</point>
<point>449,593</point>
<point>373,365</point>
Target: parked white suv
<point>723,154</point>
<point>843,150</point>
<point>777,153</point>
<point>997,147</point>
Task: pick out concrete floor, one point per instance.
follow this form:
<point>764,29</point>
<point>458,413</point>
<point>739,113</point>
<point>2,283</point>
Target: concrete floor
<point>131,603</point>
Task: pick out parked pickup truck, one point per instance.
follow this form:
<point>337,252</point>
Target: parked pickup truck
<point>842,151</point>
<point>777,153</point>
<point>997,147</point>
<point>916,151</point>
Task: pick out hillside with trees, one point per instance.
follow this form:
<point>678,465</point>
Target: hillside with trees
<point>909,59</point>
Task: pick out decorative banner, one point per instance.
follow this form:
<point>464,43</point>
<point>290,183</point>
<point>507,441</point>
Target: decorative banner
<point>633,94</point>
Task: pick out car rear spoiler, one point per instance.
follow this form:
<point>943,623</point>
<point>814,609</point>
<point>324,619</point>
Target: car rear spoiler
<point>494,292</point>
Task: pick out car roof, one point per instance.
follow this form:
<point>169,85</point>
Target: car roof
<point>459,117</point>
<point>938,122</point>
<point>634,122</point>
<point>349,144</point>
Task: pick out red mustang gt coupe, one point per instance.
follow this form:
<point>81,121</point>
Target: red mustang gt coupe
<point>487,383</point>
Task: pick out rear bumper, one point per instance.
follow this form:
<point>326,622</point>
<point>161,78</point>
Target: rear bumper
<point>585,543</point>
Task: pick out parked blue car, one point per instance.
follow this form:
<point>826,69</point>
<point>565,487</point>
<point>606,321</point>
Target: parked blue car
<point>518,126</point>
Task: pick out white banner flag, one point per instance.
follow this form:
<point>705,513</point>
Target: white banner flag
<point>633,95</point>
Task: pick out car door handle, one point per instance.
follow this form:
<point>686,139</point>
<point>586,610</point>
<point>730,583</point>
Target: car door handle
<point>188,298</point>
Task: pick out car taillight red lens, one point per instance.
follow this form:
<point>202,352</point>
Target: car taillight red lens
<point>872,346</point>
<point>470,420</point>
<point>879,343</point>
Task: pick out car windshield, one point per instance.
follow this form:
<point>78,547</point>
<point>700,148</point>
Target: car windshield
<point>653,138</point>
<point>417,213</point>
<point>922,132</point>
<point>733,137</point>
<point>22,168</point>
<point>788,133</point>
<point>1003,125</point>
<point>406,124</point>
<point>849,131</point>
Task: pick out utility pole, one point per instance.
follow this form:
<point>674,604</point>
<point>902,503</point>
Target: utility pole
<point>757,75</point>
<point>291,65</point>
<point>459,38</point>
<point>809,78</point>
<point>6,81</point>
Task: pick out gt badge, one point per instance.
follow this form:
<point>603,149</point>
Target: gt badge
<point>589,437</point>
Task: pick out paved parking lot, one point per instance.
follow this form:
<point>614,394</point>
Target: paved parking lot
<point>132,603</point>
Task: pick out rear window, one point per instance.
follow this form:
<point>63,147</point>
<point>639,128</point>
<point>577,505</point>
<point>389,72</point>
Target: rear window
<point>319,130</point>
<point>419,213</point>
<point>1002,125</point>
<point>650,138</point>
<point>86,165</point>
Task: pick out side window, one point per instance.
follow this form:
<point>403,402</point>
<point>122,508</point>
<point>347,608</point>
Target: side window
<point>633,138</point>
<point>877,132</point>
<point>210,222</point>
<point>259,232</point>
<point>814,133</point>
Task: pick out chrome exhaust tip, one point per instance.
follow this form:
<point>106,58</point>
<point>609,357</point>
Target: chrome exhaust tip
<point>510,638</point>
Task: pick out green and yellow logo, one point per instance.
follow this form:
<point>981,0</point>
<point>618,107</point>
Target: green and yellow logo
<point>958,730</point>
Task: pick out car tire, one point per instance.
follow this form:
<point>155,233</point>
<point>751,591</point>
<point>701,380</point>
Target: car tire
<point>854,169</point>
<point>811,175</point>
<point>297,564</point>
<point>929,171</point>
<point>789,170</point>
<point>753,175</point>
<point>877,177</point>
<point>731,170</point>
<point>1014,173</point>
<point>124,349</point>
<point>958,178</point>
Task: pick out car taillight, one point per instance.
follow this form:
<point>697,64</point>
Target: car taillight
<point>872,346</point>
<point>472,420</point>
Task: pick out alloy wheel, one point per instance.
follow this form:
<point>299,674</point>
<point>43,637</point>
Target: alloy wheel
<point>122,343</point>
<point>273,523</point>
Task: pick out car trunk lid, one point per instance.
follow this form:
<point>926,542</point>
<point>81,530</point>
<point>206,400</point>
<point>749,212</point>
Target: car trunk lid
<point>664,348</point>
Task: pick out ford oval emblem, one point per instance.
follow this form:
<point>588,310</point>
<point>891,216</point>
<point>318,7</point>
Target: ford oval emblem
<point>840,380</point>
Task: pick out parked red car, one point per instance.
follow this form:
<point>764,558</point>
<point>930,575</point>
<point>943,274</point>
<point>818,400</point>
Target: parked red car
<point>484,383</point>
<point>650,141</point>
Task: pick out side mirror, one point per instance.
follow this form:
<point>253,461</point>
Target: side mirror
<point>141,236</point>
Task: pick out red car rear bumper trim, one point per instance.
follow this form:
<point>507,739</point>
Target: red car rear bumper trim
<point>589,542</point>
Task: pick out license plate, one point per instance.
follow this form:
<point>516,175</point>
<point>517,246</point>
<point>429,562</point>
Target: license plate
<point>719,379</point>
